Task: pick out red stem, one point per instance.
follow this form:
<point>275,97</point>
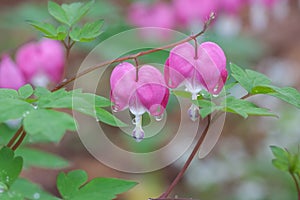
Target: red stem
<point>187,163</point>
<point>297,184</point>
<point>19,142</point>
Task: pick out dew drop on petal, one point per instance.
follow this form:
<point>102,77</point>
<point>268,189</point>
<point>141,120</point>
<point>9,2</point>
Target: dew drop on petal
<point>193,113</point>
<point>159,117</point>
<point>115,108</point>
<point>138,134</point>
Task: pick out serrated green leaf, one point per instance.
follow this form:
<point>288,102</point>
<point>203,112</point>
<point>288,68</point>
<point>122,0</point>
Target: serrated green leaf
<point>281,160</point>
<point>287,94</point>
<point>47,29</point>
<point>90,31</point>
<point>38,158</point>
<point>13,109</point>
<point>75,11</point>
<point>107,118</point>
<point>40,92</point>
<point>25,91</point>
<point>58,12</point>
<point>72,186</point>
<point>10,166</point>
<point>244,108</point>
<point>5,134</point>
<point>50,123</point>
<point>248,78</point>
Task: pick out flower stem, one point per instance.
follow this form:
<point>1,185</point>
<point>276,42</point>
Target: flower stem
<point>15,137</point>
<point>297,184</point>
<point>133,56</point>
<point>196,49</point>
<point>187,163</point>
<point>19,142</point>
<point>137,70</point>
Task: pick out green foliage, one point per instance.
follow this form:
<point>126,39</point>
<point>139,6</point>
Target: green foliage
<point>88,32</point>
<point>38,158</point>
<point>23,189</point>
<point>257,83</point>
<point>74,186</point>
<point>10,167</point>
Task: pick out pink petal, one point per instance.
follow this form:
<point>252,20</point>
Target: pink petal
<point>152,90</point>
<point>10,76</point>
<point>44,57</point>
<point>123,85</point>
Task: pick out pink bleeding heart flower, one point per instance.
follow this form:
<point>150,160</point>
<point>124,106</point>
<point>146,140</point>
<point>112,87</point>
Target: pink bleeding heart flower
<point>159,15</point>
<point>41,62</point>
<point>204,69</point>
<point>10,75</point>
<point>231,7</point>
<point>141,92</point>
<point>189,11</point>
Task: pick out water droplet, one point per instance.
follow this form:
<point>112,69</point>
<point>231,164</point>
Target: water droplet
<point>115,108</point>
<point>27,112</point>
<point>7,178</point>
<point>65,80</point>
<point>215,95</point>
<point>138,134</point>
<point>133,121</point>
<point>193,112</point>
<point>159,117</point>
<point>35,107</point>
<point>3,187</point>
<point>36,195</point>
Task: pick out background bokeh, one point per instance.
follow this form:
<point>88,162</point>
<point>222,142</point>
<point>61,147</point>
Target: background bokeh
<point>264,38</point>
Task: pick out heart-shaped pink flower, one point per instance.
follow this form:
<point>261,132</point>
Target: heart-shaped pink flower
<point>142,92</point>
<point>201,69</point>
<point>10,75</point>
<point>41,62</point>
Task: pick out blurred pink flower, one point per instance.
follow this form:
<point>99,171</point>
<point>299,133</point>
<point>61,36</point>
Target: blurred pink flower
<point>147,94</point>
<point>157,15</point>
<point>189,11</point>
<point>10,75</point>
<point>41,62</point>
<point>205,70</point>
<point>232,7</point>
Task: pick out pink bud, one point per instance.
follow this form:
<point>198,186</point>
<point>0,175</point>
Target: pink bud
<point>148,93</point>
<point>206,71</point>
<point>10,75</point>
<point>41,62</point>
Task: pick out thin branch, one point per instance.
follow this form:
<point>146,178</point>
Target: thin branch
<point>19,142</point>
<point>297,184</point>
<point>246,96</point>
<point>15,137</point>
<point>134,56</point>
<point>187,163</point>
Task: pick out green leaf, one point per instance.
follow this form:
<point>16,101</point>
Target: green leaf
<point>248,78</point>
<point>47,29</point>
<point>281,160</point>
<point>87,33</point>
<point>206,107</point>
<point>73,186</point>
<point>24,189</point>
<point>14,109</point>
<point>10,166</point>
<point>244,108</point>
<point>58,12</point>
<point>287,94</point>
<point>61,32</point>
<point>75,11</point>
<point>106,117</point>
<point>50,123</point>
<point>183,94</point>
<point>37,158</point>
<point>40,92</point>
<point>8,93</point>
<point>25,91</point>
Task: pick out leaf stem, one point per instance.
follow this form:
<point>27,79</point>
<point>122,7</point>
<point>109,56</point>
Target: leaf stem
<point>297,184</point>
<point>187,163</point>
<point>19,142</point>
<point>133,56</point>
<point>15,137</point>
